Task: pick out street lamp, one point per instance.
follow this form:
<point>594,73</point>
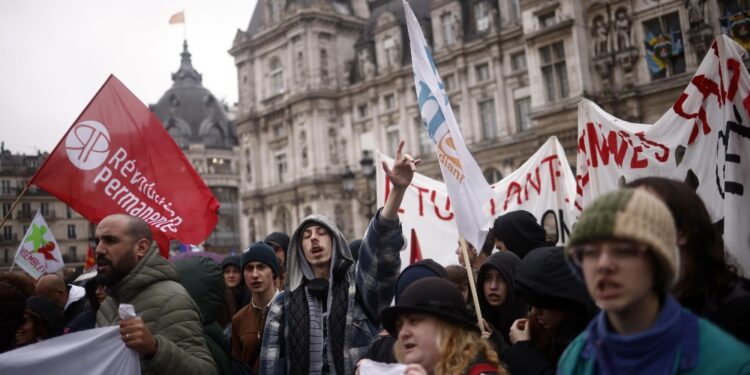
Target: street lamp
<point>366,198</point>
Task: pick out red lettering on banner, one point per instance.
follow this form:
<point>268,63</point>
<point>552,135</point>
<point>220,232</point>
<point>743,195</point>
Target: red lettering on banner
<point>734,66</point>
<point>553,174</point>
<point>447,207</point>
<point>513,188</point>
<point>706,87</point>
<point>529,181</point>
<point>493,209</point>
<point>421,203</point>
<point>617,144</point>
<point>665,150</point>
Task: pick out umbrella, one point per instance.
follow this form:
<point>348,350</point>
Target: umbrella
<point>213,256</point>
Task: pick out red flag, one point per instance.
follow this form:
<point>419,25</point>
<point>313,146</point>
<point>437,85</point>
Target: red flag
<point>118,158</point>
<point>178,17</point>
<point>90,259</point>
<point>416,251</point>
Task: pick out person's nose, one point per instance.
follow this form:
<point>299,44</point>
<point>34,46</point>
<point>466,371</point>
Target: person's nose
<point>605,262</point>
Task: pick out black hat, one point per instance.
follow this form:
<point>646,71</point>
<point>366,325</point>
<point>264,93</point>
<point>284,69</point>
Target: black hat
<point>231,260</point>
<point>278,239</point>
<point>261,252</point>
<point>430,295</point>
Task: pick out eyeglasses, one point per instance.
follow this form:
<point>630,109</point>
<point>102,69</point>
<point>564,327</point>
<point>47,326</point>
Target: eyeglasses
<point>619,251</point>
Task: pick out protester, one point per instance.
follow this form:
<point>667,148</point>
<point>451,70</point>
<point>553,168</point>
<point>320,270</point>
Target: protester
<point>70,299</point>
<point>204,281</point>
<point>280,243</point>
<point>233,281</point>
<point>457,275</point>
<point>331,303</point>
<point>12,306</point>
<point>42,320</point>
<point>167,333</point>
<point>354,248</point>
<point>500,306</point>
<point>519,232</point>
<point>560,309</point>
<point>381,350</point>
<point>435,333</point>
<point>25,283</point>
<point>709,284</point>
<point>95,295</point>
<point>260,268</point>
<point>624,245</point>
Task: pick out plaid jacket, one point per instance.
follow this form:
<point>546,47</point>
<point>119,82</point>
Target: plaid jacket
<point>374,276</point>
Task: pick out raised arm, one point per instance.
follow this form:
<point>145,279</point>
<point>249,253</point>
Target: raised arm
<point>400,176</point>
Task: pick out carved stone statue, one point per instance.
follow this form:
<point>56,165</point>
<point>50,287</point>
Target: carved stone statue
<point>601,36</point>
<point>624,30</point>
<point>366,66</point>
<point>458,30</point>
<point>696,12</point>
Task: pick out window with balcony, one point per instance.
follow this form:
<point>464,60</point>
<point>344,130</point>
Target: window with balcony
<point>482,72</point>
<point>522,108</point>
<point>72,232</point>
<point>487,118</point>
<point>664,47</point>
<point>554,71</point>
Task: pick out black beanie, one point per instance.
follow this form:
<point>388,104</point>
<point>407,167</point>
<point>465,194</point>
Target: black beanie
<point>278,239</point>
<point>418,270</point>
<point>520,232</point>
<point>231,260</point>
<point>261,252</point>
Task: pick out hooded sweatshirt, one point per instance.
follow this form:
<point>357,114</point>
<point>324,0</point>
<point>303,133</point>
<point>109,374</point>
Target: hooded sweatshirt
<point>320,325</point>
<point>513,308</point>
<point>520,232</point>
<point>544,280</point>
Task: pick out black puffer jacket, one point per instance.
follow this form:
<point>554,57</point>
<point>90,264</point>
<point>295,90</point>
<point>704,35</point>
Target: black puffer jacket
<point>513,308</point>
<point>544,280</point>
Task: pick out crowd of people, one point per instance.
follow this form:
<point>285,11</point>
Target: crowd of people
<point>642,286</point>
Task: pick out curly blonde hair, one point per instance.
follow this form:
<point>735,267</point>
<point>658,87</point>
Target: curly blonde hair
<point>458,348</point>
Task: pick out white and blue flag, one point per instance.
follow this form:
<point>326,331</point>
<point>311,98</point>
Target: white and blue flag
<point>467,188</point>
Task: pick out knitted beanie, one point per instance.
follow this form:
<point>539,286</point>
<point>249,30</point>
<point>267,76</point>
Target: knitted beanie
<point>631,214</point>
<point>261,252</point>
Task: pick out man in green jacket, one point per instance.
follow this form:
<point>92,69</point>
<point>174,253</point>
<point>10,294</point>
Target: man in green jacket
<point>167,333</point>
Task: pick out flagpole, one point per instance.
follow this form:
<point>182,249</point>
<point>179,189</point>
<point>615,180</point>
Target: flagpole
<point>472,285</point>
<point>18,199</point>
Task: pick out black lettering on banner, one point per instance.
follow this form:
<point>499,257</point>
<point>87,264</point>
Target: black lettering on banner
<point>730,187</point>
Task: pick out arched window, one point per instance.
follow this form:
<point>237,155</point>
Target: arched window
<point>276,75</point>
<point>215,136</point>
<point>492,175</point>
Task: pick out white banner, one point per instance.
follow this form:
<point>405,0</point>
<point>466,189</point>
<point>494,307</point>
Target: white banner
<point>462,176</point>
<point>544,185</point>
<point>38,252</point>
<point>93,351</point>
<point>703,139</point>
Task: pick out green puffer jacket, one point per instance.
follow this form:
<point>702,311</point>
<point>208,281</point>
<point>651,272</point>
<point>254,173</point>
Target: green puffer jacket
<point>152,287</point>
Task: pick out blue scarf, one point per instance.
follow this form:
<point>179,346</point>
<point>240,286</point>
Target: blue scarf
<point>654,351</point>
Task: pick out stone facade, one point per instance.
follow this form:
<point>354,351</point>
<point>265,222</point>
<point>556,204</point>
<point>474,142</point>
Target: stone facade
<point>71,230</point>
<point>322,81</point>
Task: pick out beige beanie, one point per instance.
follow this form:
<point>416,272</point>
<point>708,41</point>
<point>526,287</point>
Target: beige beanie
<point>631,214</point>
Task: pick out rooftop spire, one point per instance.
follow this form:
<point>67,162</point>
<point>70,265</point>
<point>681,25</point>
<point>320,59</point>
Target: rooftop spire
<point>186,74</point>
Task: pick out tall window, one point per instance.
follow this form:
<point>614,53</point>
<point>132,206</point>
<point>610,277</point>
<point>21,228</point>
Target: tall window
<point>492,175</point>
<point>515,11</point>
<point>523,107</point>
<point>276,73</point>
<point>446,20</point>
<point>389,101</point>
<point>72,231</point>
<point>483,72</point>
<point>518,61</point>
<point>7,233</point>
<point>6,208</point>
<point>5,186</point>
<point>68,212</point>
<point>482,16</point>
<point>554,71</point>
<point>487,118</point>
<point>449,82</point>
<point>72,254</point>
<point>664,46</point>
<point>733,18</point>
<point>26,209</point>
<point>281,167</point>
<point>392,138</point>
<point>323,64</point>
<point>44,207</point>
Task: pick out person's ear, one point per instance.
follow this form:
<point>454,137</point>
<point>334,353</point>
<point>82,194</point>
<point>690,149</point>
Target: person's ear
<point>142,246</point>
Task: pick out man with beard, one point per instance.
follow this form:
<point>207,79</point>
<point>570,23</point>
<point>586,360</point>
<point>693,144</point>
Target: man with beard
<point>168,333</point>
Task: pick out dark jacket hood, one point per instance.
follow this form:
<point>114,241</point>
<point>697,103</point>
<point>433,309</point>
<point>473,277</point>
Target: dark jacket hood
<point>514,307</point>
<point>520,232</point>
<point>204,280</point>
<point>49,313</point>
<point>297,268</point>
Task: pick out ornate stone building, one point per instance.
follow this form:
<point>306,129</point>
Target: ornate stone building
<point>322,81</point>
<point>71,230</point>
<point>199,124</point>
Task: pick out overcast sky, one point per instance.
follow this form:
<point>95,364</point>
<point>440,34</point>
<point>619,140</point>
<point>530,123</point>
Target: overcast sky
<point>55,54</point>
